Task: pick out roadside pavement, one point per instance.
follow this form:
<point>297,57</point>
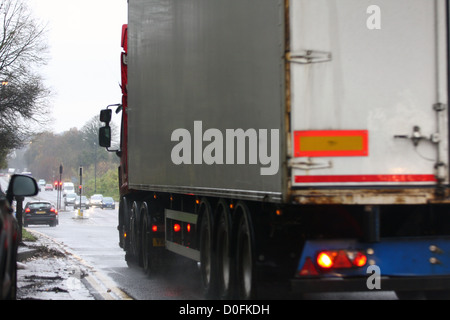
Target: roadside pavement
<point>47,271</point>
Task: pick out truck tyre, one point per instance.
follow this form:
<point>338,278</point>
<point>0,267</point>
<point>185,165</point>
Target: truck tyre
<point>245,264</point>
<point>223,251</point>
<point>124,223</point>
<point>152,257</point>
<point>135,233</point>
<point>207,267</point>
<point>146,239</point>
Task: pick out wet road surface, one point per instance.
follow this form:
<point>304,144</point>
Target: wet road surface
<point>96,262</point>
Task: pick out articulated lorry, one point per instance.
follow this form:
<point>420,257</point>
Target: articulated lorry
<point>300,140</point>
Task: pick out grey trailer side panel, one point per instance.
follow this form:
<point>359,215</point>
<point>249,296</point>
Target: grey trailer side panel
<point>216,64</point>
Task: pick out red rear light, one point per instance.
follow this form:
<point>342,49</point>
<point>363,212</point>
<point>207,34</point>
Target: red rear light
<point>360,260</point>
<point>341,259</point>
<point>325,260</point>
<point>27,210</point>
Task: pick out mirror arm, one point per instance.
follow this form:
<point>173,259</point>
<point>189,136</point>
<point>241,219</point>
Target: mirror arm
<point>113,150</point>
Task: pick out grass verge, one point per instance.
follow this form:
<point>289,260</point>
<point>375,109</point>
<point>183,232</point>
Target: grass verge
<point>27,236</point>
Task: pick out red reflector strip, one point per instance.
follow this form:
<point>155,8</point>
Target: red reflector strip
<point>331,143</point>
<point>367,178</point>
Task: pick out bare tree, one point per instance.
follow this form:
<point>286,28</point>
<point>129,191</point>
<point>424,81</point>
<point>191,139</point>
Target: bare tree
<point>22,37</point>
<point>23,95</point>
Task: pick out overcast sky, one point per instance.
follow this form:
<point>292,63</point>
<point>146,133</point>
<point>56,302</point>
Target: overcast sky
<point>84,70</point>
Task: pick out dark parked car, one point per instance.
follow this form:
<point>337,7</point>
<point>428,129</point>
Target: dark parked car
<point>19,186</point>
<point>40,212</point>
<point>108,202</point>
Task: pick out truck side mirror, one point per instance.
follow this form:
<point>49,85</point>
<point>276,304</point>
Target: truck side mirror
<point>104,136</point>
<point>105,116</point>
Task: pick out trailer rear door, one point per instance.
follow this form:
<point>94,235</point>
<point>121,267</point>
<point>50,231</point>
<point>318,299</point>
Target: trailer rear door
<point>368,92</point>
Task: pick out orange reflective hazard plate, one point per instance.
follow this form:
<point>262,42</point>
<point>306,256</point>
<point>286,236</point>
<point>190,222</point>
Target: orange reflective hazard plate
<point>331,143</point>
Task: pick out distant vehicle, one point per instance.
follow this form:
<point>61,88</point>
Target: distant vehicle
<point>41,182</point>
<point>48,187</point>
<point>84,202</point>
<point>68,187</point>
<point>96,200</point>
<point>40,212</point>
<point>18,186</point>
<point>108,202</point>
<point>70,199</point>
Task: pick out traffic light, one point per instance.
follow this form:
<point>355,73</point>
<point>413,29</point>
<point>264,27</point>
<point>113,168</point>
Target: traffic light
<point>57,185</point>
<point>81,181</point>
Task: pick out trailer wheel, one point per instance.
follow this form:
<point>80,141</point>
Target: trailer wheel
<point>245,257</point>
<point>124,222</point>
<point>135,241</point>
<point>153,257</point>
<point>147,259</point>
<point>206,250</point>
<point>223,250</point>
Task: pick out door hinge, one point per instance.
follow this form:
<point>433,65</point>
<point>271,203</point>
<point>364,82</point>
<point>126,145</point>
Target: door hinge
<point>309,56</point>
<point>438,107</point>
<point>309,164</point>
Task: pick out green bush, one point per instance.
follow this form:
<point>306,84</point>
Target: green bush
<point>107,185</point>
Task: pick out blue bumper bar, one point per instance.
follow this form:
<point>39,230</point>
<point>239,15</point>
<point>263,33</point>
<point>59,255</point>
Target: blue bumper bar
<point>403,263</point>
